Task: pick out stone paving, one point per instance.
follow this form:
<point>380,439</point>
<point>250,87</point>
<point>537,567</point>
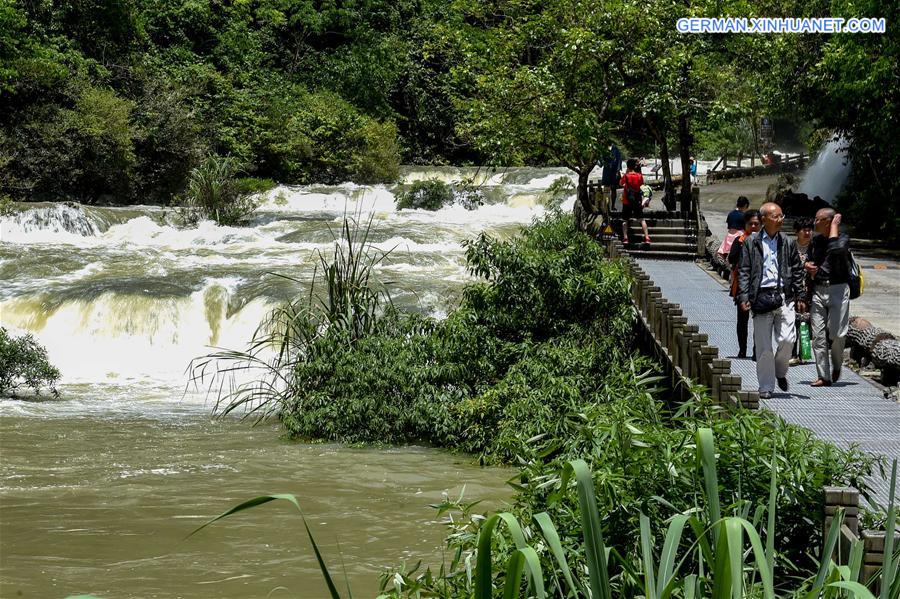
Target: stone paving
<point>851,411</point>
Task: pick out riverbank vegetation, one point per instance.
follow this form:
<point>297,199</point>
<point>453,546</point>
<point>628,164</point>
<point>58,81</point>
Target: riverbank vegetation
<point>721,547</point>
<point>117,102</point>
<point>535,367</point>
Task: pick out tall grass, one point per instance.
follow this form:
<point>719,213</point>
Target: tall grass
<point>213,192</point>
<point>342,306</point>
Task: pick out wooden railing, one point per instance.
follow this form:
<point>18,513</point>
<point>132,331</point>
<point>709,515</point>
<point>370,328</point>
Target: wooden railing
<point>789,164</point>
<point>680,347</point>
<point>687,357</point>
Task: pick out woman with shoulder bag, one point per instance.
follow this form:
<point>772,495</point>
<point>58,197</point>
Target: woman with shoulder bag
<point>751,226</point>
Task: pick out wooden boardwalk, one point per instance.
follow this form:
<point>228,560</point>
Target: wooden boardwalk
<point>853,411</point>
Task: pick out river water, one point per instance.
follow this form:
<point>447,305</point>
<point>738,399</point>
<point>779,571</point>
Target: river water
<point>99,487</point>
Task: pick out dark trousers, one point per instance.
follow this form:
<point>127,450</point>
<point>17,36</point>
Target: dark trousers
<point>743,322</point>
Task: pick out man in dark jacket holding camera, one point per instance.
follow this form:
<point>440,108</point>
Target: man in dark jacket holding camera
<point>770,284</point>
<point>829,268</point>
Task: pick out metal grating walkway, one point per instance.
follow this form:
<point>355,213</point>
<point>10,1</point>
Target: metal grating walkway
<point>851,411</point>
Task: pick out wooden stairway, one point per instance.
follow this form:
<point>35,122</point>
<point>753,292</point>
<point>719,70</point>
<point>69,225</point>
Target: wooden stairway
<point>672,237</point>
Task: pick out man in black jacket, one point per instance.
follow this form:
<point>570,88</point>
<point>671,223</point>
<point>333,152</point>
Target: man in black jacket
<point>770,283</point>
<point>829,268</point>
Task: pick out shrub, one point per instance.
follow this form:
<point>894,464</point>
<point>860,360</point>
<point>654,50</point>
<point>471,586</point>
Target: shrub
<point>254,185</point>
<point>6,205</point>
<point>432,194</point>
<point>214,193</point>
<point>376,159</point>
<point>23,362</point>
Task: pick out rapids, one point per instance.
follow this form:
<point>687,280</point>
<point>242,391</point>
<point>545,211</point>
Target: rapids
<point>99,487</point>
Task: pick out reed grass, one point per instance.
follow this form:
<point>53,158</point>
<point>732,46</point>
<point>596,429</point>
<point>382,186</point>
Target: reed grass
<point>343,304</point>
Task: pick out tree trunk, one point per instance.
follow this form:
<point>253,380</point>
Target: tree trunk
<point>755,145</point>
<point>583,216</point>
<point>684,140</point>
<point>659,135</point>
<point>668,186</point>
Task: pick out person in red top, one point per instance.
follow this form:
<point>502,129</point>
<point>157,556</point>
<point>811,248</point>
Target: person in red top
<point>632,199</point>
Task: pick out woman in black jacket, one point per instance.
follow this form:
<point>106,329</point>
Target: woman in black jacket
<point>751,225</point>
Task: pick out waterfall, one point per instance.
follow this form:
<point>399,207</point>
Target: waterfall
<point>826,176</point>
<point>56,218</point>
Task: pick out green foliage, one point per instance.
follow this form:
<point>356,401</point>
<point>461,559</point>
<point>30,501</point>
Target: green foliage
<point>23,363</point>
<point>254,185</point>
<point>432,194</point>
<point>313,137</point>
<point>85,152</point>
<point>711,548</point>
<point>214,192</point>
<point>544,80</point>
<point>6,205</point>
<point>118,102</point>
<point>376,158</point>
<point>535,367</point>
<point>848,90</point>
<point>168,141</point>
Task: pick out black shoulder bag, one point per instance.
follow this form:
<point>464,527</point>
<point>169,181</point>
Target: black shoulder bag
<point>769,300</point>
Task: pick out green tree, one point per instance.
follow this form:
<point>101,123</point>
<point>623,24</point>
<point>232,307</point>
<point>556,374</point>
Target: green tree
<point>546,80</point>
<point>23,362</point>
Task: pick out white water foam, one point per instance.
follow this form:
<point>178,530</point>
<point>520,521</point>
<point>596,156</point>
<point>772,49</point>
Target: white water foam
<point>116,337</point>
<point>48,223</point>
<point>116,343</point>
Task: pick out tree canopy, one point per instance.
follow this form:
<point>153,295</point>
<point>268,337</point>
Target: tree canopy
<point>119,101</point>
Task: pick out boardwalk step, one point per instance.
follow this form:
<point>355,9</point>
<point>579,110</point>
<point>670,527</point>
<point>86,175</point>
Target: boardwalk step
<point>662,255</point>
<point>657,245</point>
<point>658,237</point>
<point>666,230</point>
<point>662,246</point>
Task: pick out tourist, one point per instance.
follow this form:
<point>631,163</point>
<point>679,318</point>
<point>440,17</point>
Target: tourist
<point>609,178</point>
<point>751,226</point>
<point>694,178</point>
<point>735,225</point>
<point>828,266</point>
<point>735,219</point>
<point>770,284</point>
<point>803,229</point>
<point>632,199</point>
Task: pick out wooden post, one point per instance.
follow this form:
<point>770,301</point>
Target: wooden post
<point>873,553</point>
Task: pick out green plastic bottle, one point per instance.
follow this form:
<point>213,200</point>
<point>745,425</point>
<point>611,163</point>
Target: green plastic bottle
<point>805,344</point>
